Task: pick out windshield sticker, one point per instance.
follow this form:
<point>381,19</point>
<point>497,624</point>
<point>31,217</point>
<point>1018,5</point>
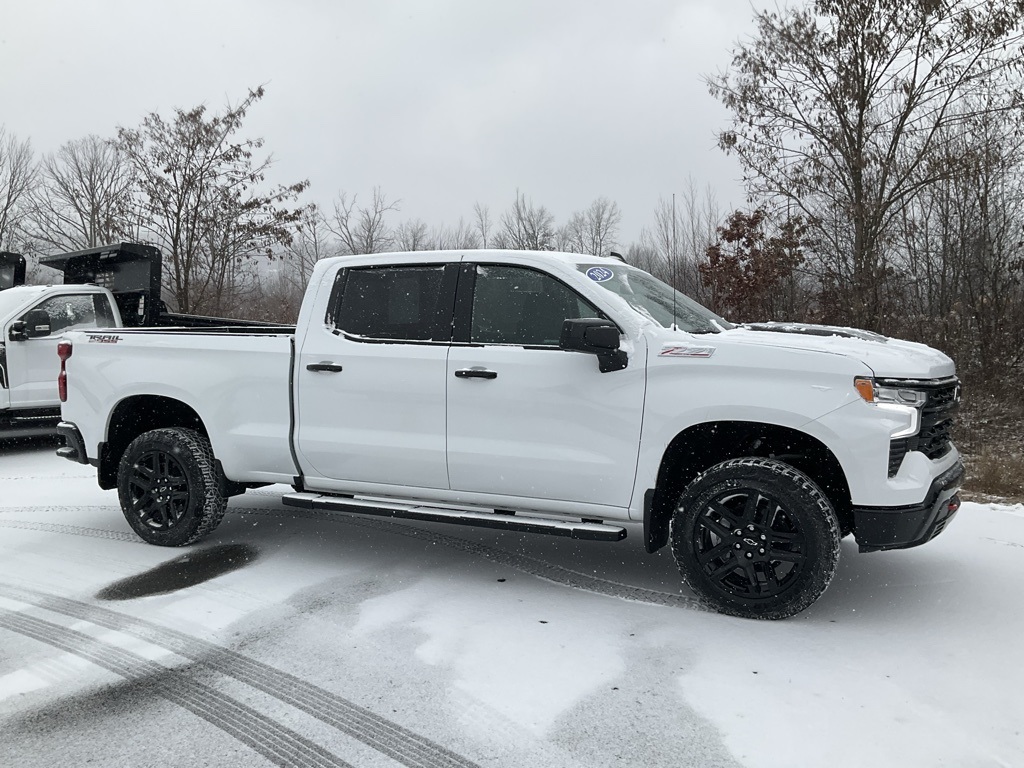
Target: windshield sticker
<point>685,350</point>
<point>600,274</point>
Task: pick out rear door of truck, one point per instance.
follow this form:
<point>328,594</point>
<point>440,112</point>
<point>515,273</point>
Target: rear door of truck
<point>370,375</point>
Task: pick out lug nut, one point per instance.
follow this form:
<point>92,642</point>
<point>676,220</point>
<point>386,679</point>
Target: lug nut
<point>749,555</point>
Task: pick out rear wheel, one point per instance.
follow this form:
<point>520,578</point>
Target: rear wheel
<point>169,487</point>
<point>755,538</point>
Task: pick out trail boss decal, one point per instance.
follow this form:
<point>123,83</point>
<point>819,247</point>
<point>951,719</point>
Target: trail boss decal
<point>685,350</point>
<point>105,338</point>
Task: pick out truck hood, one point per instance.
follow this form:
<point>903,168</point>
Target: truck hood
<point>886,357</point>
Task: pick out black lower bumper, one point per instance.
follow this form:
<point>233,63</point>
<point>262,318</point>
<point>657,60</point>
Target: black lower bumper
<point>878,528</point>
<point>74,445</point>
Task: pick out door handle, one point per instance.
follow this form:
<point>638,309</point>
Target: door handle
<point>325,367</point>
<point>475,373</point>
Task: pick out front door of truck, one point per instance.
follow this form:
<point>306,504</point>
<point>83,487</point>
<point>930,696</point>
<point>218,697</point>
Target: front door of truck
<point>526,418</point>
<point>32,363</point>
<point>370,379</point>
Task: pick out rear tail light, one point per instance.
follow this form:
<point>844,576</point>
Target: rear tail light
<point>63,352</point>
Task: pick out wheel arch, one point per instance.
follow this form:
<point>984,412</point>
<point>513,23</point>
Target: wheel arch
<point>702,446</point>
<point>135,415</point>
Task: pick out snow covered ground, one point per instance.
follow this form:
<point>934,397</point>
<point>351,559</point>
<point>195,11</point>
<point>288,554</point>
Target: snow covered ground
<point>306,639</point>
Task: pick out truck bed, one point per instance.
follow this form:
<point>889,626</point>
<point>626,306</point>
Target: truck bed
<point>235,379</point>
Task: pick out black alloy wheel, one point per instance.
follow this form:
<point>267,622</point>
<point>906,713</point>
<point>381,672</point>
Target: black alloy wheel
<point>158,490</point>
<point>170,488</point>
<point>749,545</point>
<point>755,538</point>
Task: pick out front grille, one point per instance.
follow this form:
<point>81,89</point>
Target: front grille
<point>934,439</point>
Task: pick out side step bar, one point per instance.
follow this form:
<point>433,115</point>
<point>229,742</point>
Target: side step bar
<point>382,508</point>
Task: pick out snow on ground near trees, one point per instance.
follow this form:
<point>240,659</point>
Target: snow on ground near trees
<point>446,646</point>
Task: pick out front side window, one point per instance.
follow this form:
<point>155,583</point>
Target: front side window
<point>389,303</point>
<point>71,313</point>
<point>515,305</point>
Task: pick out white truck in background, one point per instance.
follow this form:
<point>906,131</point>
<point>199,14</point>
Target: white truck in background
<point>32,319</point>
<point>106,287</point>
<point>530,391</point>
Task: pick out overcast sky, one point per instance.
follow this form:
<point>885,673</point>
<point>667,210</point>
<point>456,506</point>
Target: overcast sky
<point>440,103</point>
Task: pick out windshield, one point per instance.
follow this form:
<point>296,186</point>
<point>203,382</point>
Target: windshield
<point>654,299</point>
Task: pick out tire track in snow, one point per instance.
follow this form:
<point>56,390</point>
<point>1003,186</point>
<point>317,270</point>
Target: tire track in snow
<point>555,574</point>
<point>280,745</point>
<point>395,741</point>
<point>533,566</point>
<point>74,530</point>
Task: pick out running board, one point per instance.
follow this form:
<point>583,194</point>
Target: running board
<point>381,508</point>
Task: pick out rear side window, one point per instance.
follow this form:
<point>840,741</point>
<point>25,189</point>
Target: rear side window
<point>391,303</point>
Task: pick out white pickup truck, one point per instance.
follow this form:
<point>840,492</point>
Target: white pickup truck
<point>552,393</point>
<point>105,287</point>
<point>32,319</point>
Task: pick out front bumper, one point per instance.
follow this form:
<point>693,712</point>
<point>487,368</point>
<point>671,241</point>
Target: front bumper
<point>878,528</point>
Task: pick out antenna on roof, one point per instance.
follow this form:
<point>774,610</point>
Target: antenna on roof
<point>616,255</point>
<point>675,277</point>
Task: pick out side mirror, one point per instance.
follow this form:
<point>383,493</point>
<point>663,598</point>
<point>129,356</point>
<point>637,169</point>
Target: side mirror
<point>18,331</point>
<point>37,323</point>
<point>597,337</point>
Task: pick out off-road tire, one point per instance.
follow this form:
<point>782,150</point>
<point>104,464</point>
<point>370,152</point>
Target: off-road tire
<point>767,520</point>
<point>169,488</point>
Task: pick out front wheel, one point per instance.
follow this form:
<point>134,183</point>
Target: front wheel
<point>168,486</point>
<point>755,538</point>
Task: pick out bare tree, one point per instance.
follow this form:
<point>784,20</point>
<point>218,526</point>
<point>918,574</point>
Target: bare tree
<point>201,200</point>
<point>310,243</point>
<point>594,230</point>
<point>83,198</point>
<point>413,235</point>
<point>363,229</point>
<point>839,107</point>
<point>460,237</point>
<point>960,260</point>
<point>17,178</point>
<point>483,223</point>
<point>682,231</point>
<point>526,227</point>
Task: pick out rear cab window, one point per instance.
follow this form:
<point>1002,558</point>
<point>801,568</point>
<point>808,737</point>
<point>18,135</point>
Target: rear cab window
<point>396,303</point>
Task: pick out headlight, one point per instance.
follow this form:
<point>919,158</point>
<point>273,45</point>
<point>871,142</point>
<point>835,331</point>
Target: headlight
<point>902,404</point>
<point>910,397</point>
<point>872,393</point>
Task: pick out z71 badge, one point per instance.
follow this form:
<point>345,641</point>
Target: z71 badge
<point>685,350</point>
